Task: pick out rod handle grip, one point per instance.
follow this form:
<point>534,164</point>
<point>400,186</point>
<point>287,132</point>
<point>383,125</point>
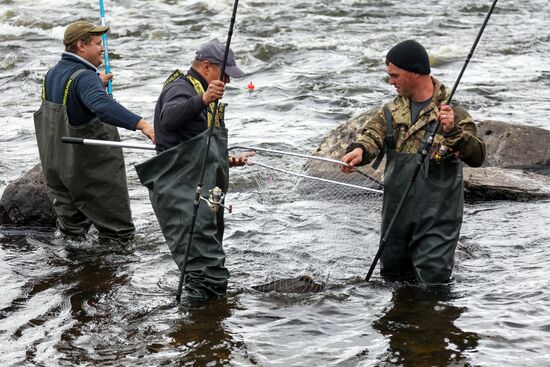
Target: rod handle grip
<point>67,139</point>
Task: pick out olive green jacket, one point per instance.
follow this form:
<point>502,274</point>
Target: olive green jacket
<point>408,137</point>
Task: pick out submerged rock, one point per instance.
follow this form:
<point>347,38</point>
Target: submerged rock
<point>27,201</point>
<point>301,284</point>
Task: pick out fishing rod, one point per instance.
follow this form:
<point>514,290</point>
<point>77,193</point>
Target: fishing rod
<point>425,148</point>
<point>106,52</point>
<point>198,191</point>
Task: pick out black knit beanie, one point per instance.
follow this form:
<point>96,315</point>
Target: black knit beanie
<point>411,56</point>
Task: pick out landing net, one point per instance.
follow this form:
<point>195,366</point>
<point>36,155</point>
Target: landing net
<point>308,222</point>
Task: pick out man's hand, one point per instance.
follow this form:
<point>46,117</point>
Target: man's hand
<point>105,78</point>
<point>446,118</point>
<point>241,159</point>
<point>214,92</point>
<point>147,129</point>
<point>353,158</point>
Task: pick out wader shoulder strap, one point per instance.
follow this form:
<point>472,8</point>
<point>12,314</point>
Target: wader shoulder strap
<point>196,84</point>
<point>69,83</point>
<point>389,142</point>
<point>43,95</point>
<point>221,106</point>
<point>173,77</point>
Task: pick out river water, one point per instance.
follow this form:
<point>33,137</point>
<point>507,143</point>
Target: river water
<point>315,64</point>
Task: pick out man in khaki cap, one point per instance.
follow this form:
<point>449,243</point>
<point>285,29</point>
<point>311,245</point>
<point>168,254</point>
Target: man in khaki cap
<point>79,29</point>
<point>88,183</point>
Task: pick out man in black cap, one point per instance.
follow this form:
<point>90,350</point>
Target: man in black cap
<point>423,241</point>
<point>88,183</point>
<point>183,114</point>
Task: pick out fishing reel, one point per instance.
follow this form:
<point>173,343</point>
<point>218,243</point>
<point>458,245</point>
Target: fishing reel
<point>216,199</point>
<point>442,154</point>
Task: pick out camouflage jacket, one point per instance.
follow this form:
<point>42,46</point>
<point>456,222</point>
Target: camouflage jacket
<point>408,137</point>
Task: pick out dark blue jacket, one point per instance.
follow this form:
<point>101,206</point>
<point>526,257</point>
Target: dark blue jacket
<point>180,113</point>
<point>87,97</point>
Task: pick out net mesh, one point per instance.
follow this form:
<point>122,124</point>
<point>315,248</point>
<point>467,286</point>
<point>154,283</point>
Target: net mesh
<point>311,221</point>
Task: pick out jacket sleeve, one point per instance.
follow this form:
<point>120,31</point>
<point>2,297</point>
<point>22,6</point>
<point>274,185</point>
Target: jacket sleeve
<point>180,104</point>
<point>371,137</point>
<point>90,91</point>
<point>463,139</point>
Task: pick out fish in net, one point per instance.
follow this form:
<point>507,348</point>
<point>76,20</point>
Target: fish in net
<point>312,219</point>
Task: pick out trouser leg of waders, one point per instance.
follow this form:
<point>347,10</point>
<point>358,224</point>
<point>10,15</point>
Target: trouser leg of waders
<point>395,261</point>
<point>206,271</point>
<point>433,258</point>
<point>111,216</point>
<point>70,221</point>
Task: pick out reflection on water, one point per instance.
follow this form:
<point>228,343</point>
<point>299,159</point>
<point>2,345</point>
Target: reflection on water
<point>202,335</point>
<point>67,296</point>
<point>420,326</point>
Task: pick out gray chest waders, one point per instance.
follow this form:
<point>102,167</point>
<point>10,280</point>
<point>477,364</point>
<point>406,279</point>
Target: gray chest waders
<point>171,178</point>
<point>423,241</point>
<point>88,182</point>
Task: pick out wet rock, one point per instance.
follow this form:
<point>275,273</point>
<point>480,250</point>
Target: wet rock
<point>511,149</point>
<point>334,144</point>
<point>514,146</point>
<point>495,183</point>
<point>27,201</point>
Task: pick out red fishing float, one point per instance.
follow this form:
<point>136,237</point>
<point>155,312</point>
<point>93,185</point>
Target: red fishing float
<point>250,87</point>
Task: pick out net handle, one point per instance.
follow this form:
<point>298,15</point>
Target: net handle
<point>315,178</point>
<point>323,159</point>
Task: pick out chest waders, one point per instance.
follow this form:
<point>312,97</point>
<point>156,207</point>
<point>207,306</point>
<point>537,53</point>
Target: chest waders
<point>88,182</point>
<point>171,178</point>
<point>422,243</point>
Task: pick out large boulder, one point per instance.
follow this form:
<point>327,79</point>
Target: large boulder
<point>515,146</point>
<point>27,201</point>
<point>508,146</point>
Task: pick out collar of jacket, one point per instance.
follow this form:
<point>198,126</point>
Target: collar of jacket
<point>69,56</point>
<point>400,109</point>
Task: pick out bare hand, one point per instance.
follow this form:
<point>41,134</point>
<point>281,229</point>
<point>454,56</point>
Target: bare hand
<point>147,129</point>
<point>105,78</point>
<point>214,92</point>
<point>241,159</point>
<point>353,158</point>
<point>446,117</point>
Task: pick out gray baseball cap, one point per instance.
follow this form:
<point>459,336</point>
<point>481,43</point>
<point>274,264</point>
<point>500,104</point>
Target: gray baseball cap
<point>213,52</point>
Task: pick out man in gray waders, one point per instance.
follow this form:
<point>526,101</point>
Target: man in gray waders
<point>183,115</point>
<point>422,243</point>
<point>88,182</point>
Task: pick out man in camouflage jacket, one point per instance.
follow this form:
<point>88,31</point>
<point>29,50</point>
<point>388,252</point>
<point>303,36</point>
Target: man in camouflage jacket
<point>422,243</point>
